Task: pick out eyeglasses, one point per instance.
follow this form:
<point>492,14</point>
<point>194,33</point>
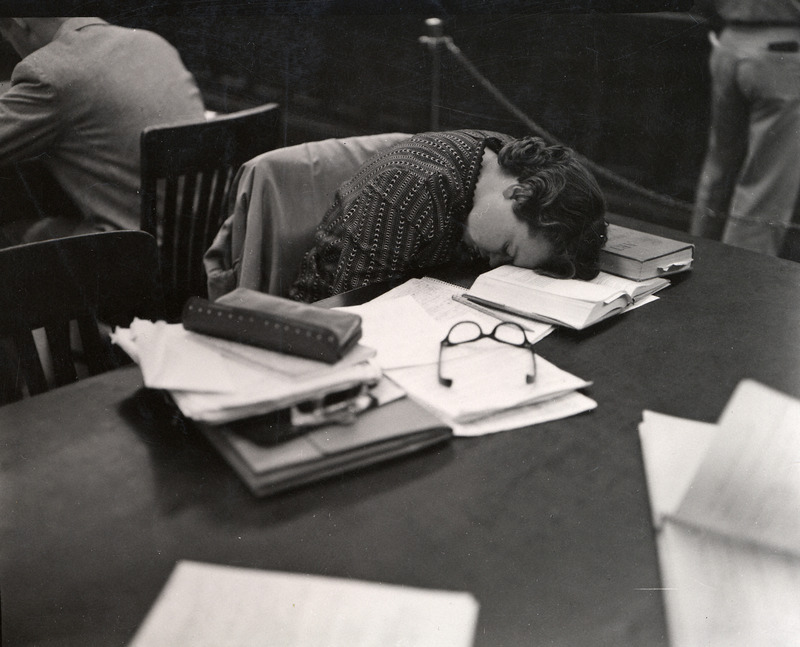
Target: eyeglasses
<point>506,332</point>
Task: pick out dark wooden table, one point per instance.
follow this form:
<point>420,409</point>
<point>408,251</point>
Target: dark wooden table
<point>103,489</point>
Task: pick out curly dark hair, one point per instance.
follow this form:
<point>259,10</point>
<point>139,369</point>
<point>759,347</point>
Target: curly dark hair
<point>557,196</point>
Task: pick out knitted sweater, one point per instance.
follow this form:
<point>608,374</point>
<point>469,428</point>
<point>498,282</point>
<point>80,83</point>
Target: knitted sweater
<point>404,211</point>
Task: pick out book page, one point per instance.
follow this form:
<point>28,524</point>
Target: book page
<point>207,605</point>
<point>636,289</point>
<point>592,291</point>
<point>748,484</point>
<point>672,450</point>
<point>727,594</point>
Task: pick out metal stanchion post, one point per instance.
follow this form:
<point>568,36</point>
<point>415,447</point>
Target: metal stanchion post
<point>433,40</point>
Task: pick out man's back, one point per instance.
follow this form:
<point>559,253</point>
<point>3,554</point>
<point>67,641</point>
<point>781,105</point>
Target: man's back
<point>81,102</point>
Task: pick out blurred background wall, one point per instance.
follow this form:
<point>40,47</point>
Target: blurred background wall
<point>629,91</point>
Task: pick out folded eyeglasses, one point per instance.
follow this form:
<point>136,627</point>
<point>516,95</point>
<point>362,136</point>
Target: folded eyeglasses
<point>465,332</point>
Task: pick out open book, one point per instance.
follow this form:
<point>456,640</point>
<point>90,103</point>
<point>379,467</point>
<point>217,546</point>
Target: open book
<point>565,302</point>
<point>725,500</point>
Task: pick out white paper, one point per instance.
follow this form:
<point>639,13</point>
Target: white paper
<point>443,302</point>
<point>599,289</point>
<point>558,408</point>
<point>720,593</point>
<point>672,449</point>
<point>211,381</point>
<point>401,332</point>
<point>172,358</point>
<point>748,484</point>
<point>269,392</point>
<point>293,366</point>
<point>634,288</point>
<point>534,330</point>
<point>722,495</point>
<point>487,380</point>
<point>206,605</point>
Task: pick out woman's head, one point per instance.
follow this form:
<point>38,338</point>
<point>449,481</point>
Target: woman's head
<point>558,198</point>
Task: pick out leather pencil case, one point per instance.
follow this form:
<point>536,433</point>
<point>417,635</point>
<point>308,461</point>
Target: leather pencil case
<point>250,317</point>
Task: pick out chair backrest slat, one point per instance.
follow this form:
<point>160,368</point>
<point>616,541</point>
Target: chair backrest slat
<point>197,160</point>
<point>98,354</point>
<point>59,346</point>
<point>110,277</point>
<point>28,366</point>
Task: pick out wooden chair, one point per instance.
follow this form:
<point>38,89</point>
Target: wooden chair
<point>92,280</point>
<point>187,171</point>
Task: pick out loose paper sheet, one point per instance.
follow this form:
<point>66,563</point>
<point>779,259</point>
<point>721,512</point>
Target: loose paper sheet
<point>721,588</point>
<point>206,605</point>
<point>173,358</point>
<point>440,301</point>
<point>401,332</point>
<point>213,381</point>
<point>672,449</point>
<point>488,380</point>
<point>558,408</point>
<point>748,485</point>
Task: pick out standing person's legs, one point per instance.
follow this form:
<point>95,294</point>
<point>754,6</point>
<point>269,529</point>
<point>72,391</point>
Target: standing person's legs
<point>727,144</point>
<point>765,195</point>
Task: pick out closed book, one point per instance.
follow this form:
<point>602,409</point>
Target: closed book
<point>639,255</point>
<point>564,302</point>
<point>275,323</point>
<point>378,434</point>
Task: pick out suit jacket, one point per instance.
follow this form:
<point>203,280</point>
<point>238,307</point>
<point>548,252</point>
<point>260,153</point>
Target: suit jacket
<point>80,103</point>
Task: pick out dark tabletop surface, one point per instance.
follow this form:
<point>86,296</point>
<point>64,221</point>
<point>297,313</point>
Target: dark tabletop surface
<point>103,489</point>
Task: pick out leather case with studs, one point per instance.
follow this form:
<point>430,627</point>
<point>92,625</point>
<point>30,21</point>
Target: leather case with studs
<point>275,323</point>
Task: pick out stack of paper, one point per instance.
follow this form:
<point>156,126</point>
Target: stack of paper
<point>206,605</point>
<point>725,500</point>
<point>489,391</point>
<point>215,380</point>
<point>310,434</point>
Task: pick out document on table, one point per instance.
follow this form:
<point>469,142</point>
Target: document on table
<point>406,324</point>
<point>441,301</point>
<point>489,394</point>
<point>215,380</point>
<point>489,380</point>
<point>208,605</point>
<point>563,406</point>
<point>400,331</point>
<point>173,358</point>
<point>724,499</point>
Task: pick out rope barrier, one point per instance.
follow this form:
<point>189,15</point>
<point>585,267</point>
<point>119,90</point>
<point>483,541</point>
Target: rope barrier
<point>436,41</point>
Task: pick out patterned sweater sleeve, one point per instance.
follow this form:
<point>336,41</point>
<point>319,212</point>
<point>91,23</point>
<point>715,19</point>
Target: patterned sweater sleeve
<point>373,232</point>
<point>384,230</point>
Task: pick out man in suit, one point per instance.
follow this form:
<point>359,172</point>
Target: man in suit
<point>78,102</point>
